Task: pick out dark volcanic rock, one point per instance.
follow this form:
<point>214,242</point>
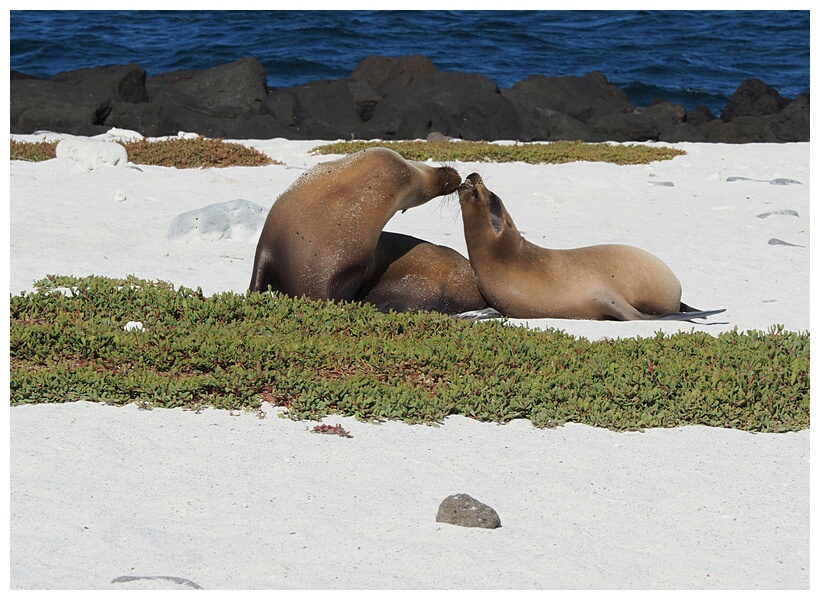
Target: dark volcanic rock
<point>364,97</point>
<point>570,108</point>
<point>790,124</point>
<point>43,104</point>
<point>386,98</point>
<point>327,109</point>
<point>742,130</point>
<point>753,98</point>
<point>582,98</point>
<point>549,124</point>
<point>124,83</point>
<point>233,90</point>
<point>793,122</point>
<point>386,74</point>
<point>699,115</point>
<point>462,105</point>
<point>76,102</point>
<point>661,121</point>
<point>162,117</point>
<point>19,75</point>
<point>466,511</point>
<point>226,101</point>
<point>282,105</point>
<point>622,127</point>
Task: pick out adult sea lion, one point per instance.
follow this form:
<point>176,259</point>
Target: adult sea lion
<point>522,280</point>
<point>409,274</point>
<point>320,234</point>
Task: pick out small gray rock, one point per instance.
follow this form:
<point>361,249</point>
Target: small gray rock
<point>466,511</point>
<point>777,242</point>
<point>779,181</point>
<point>787,211</point>
<point>155,582</point>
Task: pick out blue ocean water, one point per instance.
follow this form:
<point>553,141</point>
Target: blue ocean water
<point>690,57</point>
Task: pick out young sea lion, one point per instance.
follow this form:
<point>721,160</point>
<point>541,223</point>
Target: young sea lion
<point>522,280</point>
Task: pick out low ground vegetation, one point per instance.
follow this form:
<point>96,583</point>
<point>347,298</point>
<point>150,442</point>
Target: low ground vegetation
<point>204,152</point>
<point>69,341</point>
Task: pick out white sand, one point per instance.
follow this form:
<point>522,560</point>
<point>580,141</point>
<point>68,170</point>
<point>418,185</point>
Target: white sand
<point>223,500</point>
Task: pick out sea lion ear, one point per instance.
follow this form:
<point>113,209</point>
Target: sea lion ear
<point>496,213</point>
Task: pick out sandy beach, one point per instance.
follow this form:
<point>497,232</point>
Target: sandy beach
<point>106,497</point>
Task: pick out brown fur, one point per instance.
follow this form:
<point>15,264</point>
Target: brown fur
<point>522,280</point>
<point>408,274</point>
<point>321,233</point>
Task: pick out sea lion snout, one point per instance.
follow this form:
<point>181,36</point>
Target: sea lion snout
<point>474,180</point>
<point>469,189</point>
<point>449,179</point>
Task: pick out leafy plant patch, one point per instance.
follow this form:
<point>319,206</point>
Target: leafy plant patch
<point>553,152</point>
<point>204,152</point>
<point>69,342</point>
<point>181,153</point>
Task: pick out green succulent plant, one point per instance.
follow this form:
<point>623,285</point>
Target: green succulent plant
<point>69,342</point>
<point>181,153</point>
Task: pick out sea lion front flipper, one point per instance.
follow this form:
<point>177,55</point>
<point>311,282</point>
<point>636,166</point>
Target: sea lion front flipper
<point>344,286</point>
<point>263,273</point>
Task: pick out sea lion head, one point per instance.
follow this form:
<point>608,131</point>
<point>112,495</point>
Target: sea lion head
<point>477,201</point>
<point>413,182</point>
<point>448,180</point>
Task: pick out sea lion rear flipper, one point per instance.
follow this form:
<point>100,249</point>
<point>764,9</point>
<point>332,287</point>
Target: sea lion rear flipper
<point>691,314</point>
<point>478,315</point>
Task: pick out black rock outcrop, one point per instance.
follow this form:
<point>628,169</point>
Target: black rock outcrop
<point>387,98</point>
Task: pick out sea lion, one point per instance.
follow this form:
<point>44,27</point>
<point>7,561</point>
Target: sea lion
<point>522,280</point>
<point>409,274</point>
<point>320,234</point>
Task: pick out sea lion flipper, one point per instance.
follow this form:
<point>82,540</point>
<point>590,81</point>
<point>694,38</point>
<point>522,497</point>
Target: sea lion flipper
<point>691,314</point>
<point>479,315</point>
<point>345,285</point>
<point>262,275</point>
